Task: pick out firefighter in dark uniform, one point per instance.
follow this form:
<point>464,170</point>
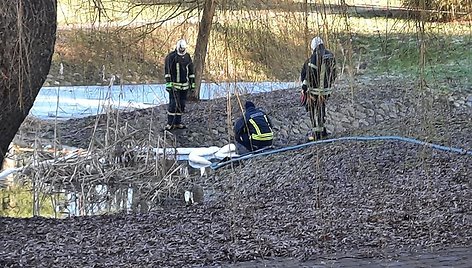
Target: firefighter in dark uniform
<point>317,76</point>
<point>180,78</point>
<point>253,131</point>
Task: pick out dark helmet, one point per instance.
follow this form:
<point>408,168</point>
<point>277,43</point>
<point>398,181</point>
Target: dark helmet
<point>249,104</point>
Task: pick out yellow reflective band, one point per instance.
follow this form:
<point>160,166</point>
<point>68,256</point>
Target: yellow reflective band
<point>312,65</point>
<point>191,76</point>
<point>169,113</point>
<point>167,75</point>
<point>322,74</point>
<point>258,136</point>
<point>262,137</point>
<point>320,91</point>
<point>267,120</point>
<point>256,127</point>
<point>181,86</point>
<point>177,67</point>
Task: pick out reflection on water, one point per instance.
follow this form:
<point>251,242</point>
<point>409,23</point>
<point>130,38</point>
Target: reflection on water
<point>24,200</point>
<point>102,199</point>
<point>79,183</point>
<point>29,194</point>
<point>18,201</point>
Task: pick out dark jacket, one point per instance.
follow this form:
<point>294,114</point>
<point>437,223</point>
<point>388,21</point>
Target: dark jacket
<point>254,129</point>
<point>179,70</point>
<point>310,74</point>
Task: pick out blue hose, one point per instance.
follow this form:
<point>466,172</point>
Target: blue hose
<point>216,166</point>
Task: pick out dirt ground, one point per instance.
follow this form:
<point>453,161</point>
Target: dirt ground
<point>361,198</point>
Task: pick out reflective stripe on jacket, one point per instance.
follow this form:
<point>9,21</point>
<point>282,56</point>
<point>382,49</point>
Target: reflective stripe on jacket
<point>259,135</point>
<point>179,70</point>
<point>255,124</point>
<point>319,74</point>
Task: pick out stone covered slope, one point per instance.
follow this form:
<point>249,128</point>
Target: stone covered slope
<point>381,106</point>
<point>355,199</point>
<point>360,199</point>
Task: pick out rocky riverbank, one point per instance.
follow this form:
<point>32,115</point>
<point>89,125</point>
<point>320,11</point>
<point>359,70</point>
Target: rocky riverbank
<point>369,106</point>
<point>362,199</point>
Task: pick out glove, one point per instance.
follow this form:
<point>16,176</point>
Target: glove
<point>304,88</point>
<point>192,87</point>
<point>169,86</point>
<point>303,98</point>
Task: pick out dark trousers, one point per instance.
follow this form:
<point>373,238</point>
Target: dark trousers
<point>247,145</point>
<point>176,108</point>
<point>316,106</point>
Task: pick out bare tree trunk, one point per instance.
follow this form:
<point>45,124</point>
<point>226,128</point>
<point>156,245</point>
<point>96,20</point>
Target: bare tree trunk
<point>202,43</point>
<point>27,37</point>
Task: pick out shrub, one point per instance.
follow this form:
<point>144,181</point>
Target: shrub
<point>440,10</point>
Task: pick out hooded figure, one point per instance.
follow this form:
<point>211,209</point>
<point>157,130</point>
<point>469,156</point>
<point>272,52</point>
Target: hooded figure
<point>180,78</point>
<point>248,105</point>
<point>318,75</point>
<point>253,131</point>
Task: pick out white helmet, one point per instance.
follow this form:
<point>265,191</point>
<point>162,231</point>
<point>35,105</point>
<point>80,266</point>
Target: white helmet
<point>181,47</point>
<point>315,42</point>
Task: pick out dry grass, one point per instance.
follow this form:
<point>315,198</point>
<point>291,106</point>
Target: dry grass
<point>115,162</point>
<point>254,44</point>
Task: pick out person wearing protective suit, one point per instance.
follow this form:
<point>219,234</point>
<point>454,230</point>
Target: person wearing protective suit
<point>318,75</point>
<point>180,78</point>
<point>253,131</point>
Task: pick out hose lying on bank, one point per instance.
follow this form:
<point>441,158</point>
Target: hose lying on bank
<point>216,166</point>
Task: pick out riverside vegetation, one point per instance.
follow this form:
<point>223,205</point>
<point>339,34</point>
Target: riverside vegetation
<point>269,48</point>
<point>367,49</point>
<point>350,199</point>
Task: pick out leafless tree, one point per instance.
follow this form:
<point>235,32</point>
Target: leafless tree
<point>202,41</point>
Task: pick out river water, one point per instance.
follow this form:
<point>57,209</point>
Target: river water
<point>63,102</point>
<point>66,102</point>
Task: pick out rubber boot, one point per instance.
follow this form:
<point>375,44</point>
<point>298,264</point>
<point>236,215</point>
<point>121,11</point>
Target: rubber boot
<point>324,134</point>
<point>170,122</point>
